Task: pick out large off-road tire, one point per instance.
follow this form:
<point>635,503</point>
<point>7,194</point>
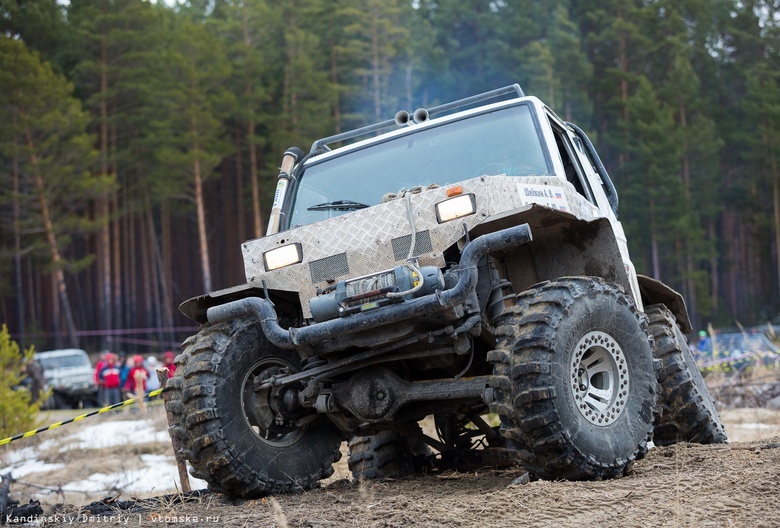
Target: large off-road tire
<point>227,431</point>
<point>385,455</point>
<point>688,413</point>
<point>574,379</point>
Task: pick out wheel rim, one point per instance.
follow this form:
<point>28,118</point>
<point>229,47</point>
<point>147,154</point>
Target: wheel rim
<point>258,410</point>
<point>599,378</point>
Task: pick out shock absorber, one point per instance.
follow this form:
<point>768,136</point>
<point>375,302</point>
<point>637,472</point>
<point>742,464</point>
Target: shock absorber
<point>502,293</point>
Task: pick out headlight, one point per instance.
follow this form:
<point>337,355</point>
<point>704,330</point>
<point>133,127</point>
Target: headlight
<point>283,256</point>
<point>457,207</point>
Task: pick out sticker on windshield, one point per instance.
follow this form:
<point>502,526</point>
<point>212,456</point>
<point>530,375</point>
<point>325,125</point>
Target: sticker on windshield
<point>543,195</point>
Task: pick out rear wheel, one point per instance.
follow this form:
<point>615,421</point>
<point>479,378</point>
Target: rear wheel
<point>387,454</point>
<point>473,442</point>
<point>574,380</point>
<point>688,411</point>
<point>244,441</point>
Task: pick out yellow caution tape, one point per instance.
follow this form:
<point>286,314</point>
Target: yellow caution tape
<point>28,434</point>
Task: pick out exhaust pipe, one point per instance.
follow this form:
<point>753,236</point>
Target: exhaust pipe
<point>291,155</point>
<point>402,118</point>
<point>420,115</point>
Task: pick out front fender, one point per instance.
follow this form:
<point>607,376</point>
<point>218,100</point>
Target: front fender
<point>196,307</point>
<point>656,292</point>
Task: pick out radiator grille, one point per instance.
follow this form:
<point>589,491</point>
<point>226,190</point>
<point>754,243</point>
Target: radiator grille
<point>329,267</point>
<point>422,244</point>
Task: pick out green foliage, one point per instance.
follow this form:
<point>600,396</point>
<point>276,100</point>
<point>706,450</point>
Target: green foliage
<point>192,98</point>
<point>45,135</point>
<point>39,23</point>
<point>17,414</point>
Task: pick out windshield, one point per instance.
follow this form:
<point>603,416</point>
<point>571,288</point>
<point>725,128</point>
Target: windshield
<point>56,362</point>
<point>505,141</point>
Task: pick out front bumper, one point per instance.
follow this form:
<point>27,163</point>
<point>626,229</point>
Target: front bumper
<point>264,311</point>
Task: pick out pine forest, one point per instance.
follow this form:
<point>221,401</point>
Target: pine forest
<point>140,142</point>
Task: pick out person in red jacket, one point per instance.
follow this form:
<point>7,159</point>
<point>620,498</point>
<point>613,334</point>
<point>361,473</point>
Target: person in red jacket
<point>168,363</point>
<point>101,396</point>
<point>109,379</point>
<point>136,376</point>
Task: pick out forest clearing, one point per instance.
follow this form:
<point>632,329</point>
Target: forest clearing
<point>432,312</point>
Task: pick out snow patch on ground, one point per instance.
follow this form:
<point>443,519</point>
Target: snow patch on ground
<point>111,434</point>
<point>151,473</point>
<point>754,426</point>
<point>29,466</point>
<point>160,473</point>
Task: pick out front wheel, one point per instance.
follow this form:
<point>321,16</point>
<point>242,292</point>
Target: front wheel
<point>242,440</point>
<point>574,380</point>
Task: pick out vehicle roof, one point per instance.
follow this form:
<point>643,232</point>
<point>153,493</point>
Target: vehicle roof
<point>59,353</point>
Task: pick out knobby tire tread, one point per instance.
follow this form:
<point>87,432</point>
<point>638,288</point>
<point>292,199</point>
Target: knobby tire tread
<point>688,411</point>
<point>525,391</point>
<point>202,369</point>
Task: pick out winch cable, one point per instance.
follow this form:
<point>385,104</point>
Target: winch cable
<point>409,263</point>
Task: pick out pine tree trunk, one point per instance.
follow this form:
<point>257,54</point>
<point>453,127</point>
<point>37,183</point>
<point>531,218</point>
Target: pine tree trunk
<point>146,271</point>
<point>102,212</point>
<point>132,269</point>
<point>18,282</point>
<point>654,243</point>
<point>58,275</point>
<point>116,263</point>
<point>714,270</point>
<point>166,312</point>
<point>776,206</point>
<point>623,157</point>
<point>239,185</point>
<point>257,215</point>
<point>34,291</point>
<point>154,268</point>
<point>201,212</point>
<point>56,313</point>
<point>689,250</point>
<point>167,260</point>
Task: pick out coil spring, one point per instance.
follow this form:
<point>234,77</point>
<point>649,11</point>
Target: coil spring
<point>500,293</point>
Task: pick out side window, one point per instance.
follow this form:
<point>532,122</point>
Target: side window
<point>585,154</point>
<point>571,164</point>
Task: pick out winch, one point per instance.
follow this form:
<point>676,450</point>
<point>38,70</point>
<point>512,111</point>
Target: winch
<point>372,291</point>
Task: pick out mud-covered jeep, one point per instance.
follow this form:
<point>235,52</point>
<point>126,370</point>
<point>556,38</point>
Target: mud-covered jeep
<point>464,261</point>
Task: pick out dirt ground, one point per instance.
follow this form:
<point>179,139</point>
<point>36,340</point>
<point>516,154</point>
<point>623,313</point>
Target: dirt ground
<point>732,485</point>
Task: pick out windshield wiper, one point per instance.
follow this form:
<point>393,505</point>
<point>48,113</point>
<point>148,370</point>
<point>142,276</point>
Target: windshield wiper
<point>338,205</point>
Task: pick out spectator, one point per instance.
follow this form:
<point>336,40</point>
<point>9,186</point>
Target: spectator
<point>34,372</point>
<point>704,345</point>
<point>110,378</point>
<point>152,382</point>
<point>132,382</point>
<point>168,363</point>
<point>124,364</point>
<point>98,368</point>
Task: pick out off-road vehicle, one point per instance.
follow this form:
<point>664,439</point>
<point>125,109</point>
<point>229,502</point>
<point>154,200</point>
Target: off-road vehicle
<point>71,377</point>
<point>466,262</point>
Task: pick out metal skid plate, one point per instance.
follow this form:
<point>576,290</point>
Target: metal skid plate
<point>368,240</point>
